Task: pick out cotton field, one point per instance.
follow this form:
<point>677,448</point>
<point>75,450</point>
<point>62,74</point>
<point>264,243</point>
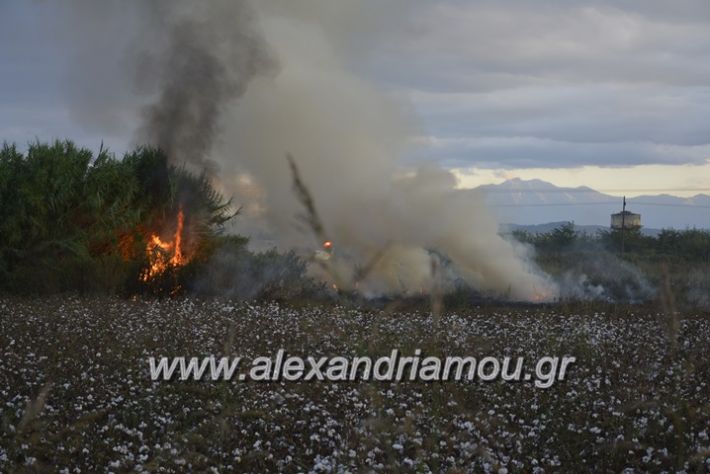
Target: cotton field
<point>76,394</point>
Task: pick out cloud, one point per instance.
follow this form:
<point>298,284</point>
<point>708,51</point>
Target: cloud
<point>466,45</point>
<point>555,83</point>
<point>521,83</point>
<point>531,152</point>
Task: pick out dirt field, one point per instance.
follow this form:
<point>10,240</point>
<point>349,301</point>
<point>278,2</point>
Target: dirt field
<point>76,393</point>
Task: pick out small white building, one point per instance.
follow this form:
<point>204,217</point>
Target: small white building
<point>627,219</point>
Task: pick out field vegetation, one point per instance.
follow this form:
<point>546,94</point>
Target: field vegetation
<point>76,391</point>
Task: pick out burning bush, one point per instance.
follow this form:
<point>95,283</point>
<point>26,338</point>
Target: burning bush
<point>73,221</point>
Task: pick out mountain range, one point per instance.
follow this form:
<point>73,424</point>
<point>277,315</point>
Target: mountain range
<point>533,202</point>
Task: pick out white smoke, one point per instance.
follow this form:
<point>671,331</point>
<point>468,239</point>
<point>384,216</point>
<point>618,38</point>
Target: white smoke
<point>235,87</point>
<point>348,138</point>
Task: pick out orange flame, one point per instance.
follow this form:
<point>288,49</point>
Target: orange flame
<point>542,296</point>
<point>159,252</point>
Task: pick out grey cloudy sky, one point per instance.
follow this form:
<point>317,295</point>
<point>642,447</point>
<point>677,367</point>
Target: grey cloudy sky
<point>496,85</point>
<point>557,83</point>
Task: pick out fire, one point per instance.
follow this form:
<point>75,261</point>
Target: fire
<point>164,255</point>
<point>542,296</point>
<point>327,245</point>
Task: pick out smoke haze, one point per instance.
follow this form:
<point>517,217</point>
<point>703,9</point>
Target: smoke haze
<point>232,87</point>
<point>209,55</point>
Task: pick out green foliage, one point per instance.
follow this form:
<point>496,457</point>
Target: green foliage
<point>163,189</point>
<point>70,220</point>
<point>690,245</point>
<point>559,239</point>
<point>635,243</point>
<point>674,259</point>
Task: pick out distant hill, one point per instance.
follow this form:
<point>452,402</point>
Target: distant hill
<point>532,202</point>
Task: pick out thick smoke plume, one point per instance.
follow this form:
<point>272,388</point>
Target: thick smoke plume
<point>208,103</point>
<point>348,138</point>
<point>209,54</point>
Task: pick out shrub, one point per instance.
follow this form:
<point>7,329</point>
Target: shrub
<point>74,221</point>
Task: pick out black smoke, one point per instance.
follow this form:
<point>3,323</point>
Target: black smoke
<point>206,56</point>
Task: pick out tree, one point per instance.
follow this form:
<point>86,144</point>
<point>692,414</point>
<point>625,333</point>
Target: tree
<point>72,220</point>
